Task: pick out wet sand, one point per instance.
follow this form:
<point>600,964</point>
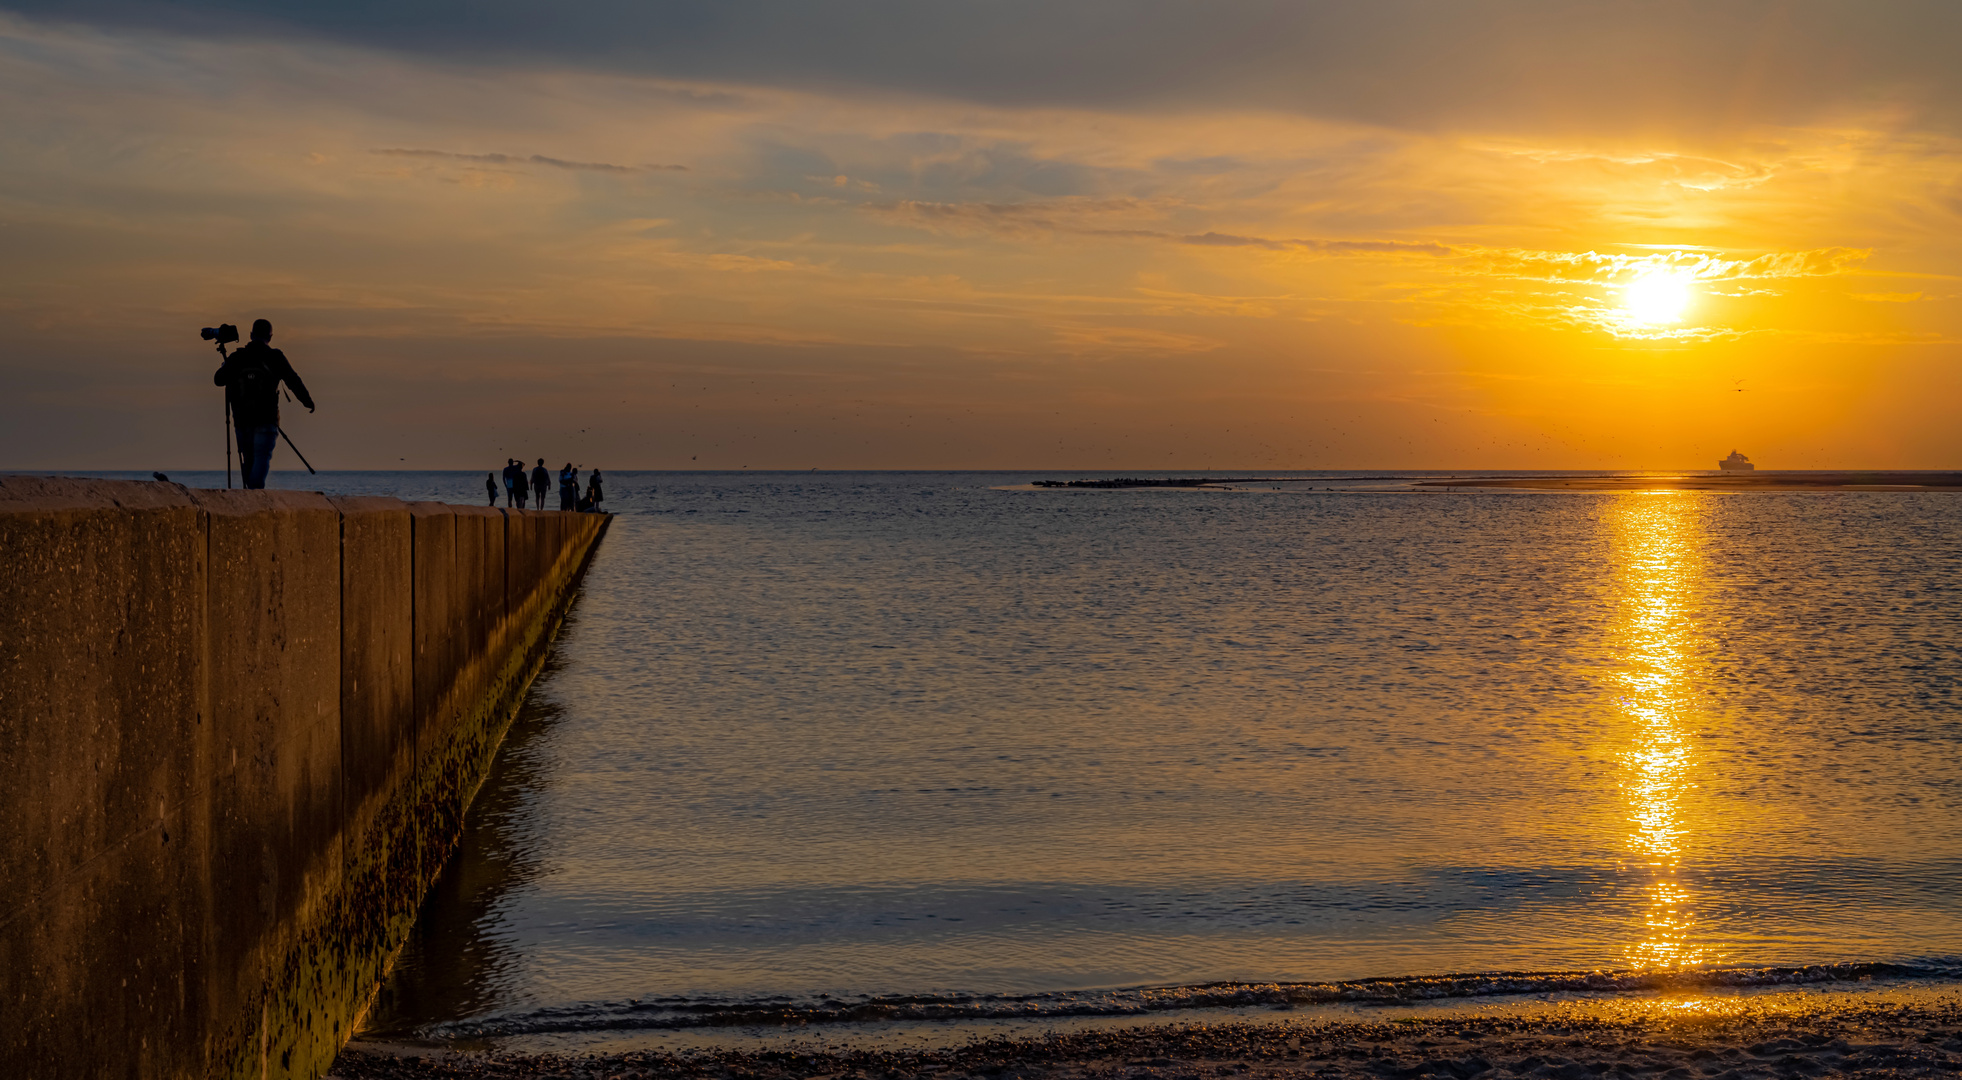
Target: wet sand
<point>1735,481</point>
<point>1840,1035</point>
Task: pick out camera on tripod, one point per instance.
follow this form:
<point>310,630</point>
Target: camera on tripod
<point>224,334</point>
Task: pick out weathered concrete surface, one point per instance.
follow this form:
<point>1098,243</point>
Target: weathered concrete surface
<point>453,740</point>
<point>102,624</point>
<point>238,731</point>
<point>443,645</point>
<point>382,860</point>
<point>273,795</point>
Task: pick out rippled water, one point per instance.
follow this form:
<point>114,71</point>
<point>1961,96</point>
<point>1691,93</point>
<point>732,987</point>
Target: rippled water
<point>911,738</point>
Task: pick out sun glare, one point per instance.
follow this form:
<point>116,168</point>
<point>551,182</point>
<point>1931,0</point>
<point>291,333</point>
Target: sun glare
<point>1657,297</point>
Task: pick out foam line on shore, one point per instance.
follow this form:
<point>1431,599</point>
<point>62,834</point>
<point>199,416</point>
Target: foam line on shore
<point>654,1014</point>
<point>1891,1030</point>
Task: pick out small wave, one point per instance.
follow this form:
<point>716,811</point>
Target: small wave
<point>680,1013</point>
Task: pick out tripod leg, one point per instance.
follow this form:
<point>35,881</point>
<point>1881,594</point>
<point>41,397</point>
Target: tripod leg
<point>228,429</point>
<point>296,451</point>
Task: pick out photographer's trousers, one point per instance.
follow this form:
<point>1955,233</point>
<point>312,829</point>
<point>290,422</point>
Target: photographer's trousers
<point>255,448</point>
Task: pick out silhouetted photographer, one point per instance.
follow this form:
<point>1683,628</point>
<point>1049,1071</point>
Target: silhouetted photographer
<point>251,378</point>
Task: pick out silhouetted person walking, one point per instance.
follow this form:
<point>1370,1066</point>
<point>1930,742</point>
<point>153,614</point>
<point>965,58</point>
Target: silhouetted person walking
<point>568,487</point>
<point>594,493</point>
<point>251,378</point>
<point>511,481</point>
<point>541,482</point>
<point>490,485</point>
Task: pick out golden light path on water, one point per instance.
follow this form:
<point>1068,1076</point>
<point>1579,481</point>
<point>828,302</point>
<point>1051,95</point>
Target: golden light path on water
<point>1655,537</point>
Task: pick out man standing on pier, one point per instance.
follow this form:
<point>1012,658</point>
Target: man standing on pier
<point>541,482</point>
<point>251,378</point>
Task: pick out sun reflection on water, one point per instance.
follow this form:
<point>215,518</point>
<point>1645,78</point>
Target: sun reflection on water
<point>1654,536</point>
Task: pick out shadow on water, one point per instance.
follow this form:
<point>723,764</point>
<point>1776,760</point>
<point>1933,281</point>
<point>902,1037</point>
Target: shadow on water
<point>456,961</point>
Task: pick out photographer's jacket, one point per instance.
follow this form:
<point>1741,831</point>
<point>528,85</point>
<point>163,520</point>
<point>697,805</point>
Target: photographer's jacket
<point>251,378</point>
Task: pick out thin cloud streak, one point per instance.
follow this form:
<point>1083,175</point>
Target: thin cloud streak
<point>531,159</point>
<point>1594,267</point>
<point>1047,218</point>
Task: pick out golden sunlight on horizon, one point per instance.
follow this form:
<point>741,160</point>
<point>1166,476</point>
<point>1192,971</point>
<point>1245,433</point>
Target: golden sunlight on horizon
<point>1654,535</point>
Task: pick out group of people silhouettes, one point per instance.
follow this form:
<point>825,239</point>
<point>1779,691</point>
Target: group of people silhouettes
<point>517,485</point>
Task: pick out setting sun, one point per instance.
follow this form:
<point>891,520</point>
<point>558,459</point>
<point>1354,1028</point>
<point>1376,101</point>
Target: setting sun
<point>1657,297</point>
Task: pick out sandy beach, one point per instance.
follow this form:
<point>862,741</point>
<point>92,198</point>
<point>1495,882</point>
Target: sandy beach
<point>1775,1036</point>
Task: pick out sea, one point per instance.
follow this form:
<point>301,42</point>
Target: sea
<point>858,748</point>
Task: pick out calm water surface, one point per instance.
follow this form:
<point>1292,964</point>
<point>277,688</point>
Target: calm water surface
<point>892,735</point>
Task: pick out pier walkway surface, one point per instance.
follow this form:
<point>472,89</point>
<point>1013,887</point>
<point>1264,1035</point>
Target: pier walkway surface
<point>238,733</point>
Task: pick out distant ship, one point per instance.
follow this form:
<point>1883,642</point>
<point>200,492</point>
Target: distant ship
<point>1736,462</point>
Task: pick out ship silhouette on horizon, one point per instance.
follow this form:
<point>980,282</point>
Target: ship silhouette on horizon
<point>1736,462</point>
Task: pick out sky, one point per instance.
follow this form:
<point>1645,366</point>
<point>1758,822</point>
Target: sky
<point>1098,235</point>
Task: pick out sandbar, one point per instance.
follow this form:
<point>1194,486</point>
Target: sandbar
<point>1715,481</point>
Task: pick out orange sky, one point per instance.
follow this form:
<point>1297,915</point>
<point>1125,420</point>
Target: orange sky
<point>650,263</point>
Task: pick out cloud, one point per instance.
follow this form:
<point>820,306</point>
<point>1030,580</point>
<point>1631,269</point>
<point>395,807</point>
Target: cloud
<point>1265,243</point>
<point>1331,247</point>
<point>1074,218</point>
<point>1017,219</point>
<point>1086,340</point>
<point>1070,217</point>
<point>1693,172</point>
<point>1822,262</point>
<point>1595,268</point>
<point>1489,65</point>
<point>531,159</point>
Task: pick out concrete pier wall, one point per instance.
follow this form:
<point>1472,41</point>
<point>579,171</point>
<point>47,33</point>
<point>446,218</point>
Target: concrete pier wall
<point>238,732</point>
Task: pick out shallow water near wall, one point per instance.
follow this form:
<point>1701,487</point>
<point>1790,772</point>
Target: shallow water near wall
<point>904,747</point>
